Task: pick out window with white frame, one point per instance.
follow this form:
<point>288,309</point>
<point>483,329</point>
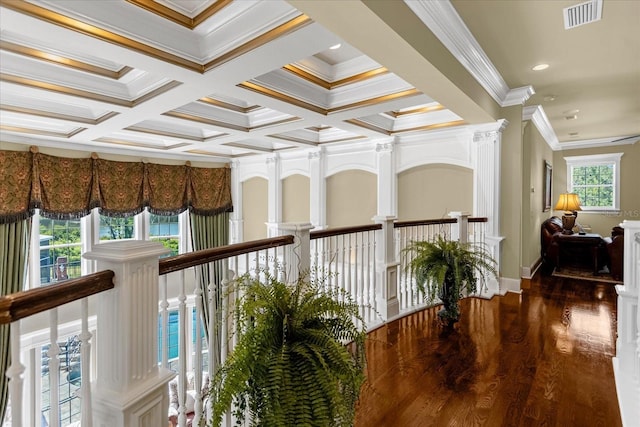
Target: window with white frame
<point>166,230</point>
<point>60,250</point>
<point>596,180</point>
<point>56,254</point>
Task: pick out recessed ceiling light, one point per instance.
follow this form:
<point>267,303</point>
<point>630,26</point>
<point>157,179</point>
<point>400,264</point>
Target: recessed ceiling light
<point>572,117</point>
<point>336,46</point>
<point>571,112</point>
<point>550,98</point>
<point>573,134</point>
<point>540,67</point>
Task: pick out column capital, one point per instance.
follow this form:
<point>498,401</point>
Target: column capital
<point>384,147</point>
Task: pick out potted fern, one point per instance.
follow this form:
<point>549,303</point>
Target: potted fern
<point>290,366</point>
<point>448,270</point>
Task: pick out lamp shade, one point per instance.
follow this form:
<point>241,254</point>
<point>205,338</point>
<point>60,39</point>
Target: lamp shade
<point>568,202</point>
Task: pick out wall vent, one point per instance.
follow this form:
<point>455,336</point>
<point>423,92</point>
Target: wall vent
<point>583,13</point>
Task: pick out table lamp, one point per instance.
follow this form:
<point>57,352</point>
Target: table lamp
<point>570,204</point>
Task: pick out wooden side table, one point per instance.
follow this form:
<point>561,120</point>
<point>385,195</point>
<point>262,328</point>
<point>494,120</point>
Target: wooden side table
<point>574,246</point>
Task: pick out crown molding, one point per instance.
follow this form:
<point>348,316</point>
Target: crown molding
<point>600,142</point>
<point>445,23</point>
<point>536,114</point>
<point>518,96</point>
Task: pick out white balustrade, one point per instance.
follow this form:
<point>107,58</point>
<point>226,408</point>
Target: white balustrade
<point>626,364</point>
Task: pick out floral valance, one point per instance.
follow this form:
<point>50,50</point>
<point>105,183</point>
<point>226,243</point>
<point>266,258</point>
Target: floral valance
<point>68,188</point>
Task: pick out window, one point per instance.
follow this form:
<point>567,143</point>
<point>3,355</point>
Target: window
<point>60,250</point>
<point>166,230</point>
<point>69,381</point>
<point>116,228</point>
<point>596,180</point>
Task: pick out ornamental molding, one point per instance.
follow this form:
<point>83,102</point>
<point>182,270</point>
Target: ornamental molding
<point>445,23</point>
<point>490,131</point>
<point>385,147</point>
<point>536,114</point>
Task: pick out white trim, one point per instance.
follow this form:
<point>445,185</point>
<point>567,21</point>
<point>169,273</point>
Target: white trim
<point>536,114</point>
<point>593,160</point>
<point>601,142</point>
<point>445,23</point>
<point>509,285</point>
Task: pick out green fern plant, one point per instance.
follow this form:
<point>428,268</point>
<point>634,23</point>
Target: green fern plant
<point>290,366</point>
<point>448,270</point>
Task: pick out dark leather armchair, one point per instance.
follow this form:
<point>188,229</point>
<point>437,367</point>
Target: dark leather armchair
<point>548,246</point>
<point>615,251</point>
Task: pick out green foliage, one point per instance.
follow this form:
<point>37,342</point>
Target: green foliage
<point>116,228</point>
<point>448,269</point>
<point>290,366</point>
<point>594,185</point>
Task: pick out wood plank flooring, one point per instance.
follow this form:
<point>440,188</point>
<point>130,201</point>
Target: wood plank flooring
<point>540,358</point>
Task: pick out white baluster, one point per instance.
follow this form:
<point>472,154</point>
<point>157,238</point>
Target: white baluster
<point>54,369</point>
<point>198,356</point>
<point>211,328</point>
<point>14,374</point>
<point>164,306</point>
<point>85,366</point>
<point>182,353</point>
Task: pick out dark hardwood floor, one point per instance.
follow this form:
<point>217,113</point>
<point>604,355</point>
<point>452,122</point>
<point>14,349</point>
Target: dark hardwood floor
<point>540,358</point>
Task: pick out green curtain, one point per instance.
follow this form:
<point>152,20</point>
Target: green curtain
<point>14,252</point>
<point>210,232</point>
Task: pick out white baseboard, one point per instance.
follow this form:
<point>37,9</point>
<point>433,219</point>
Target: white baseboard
<point>529,272</point>
<point>628,395</point>
<point>509,285</point>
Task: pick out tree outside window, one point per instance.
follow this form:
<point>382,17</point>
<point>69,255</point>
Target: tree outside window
<point>166,230</point>
<point>596,180</point>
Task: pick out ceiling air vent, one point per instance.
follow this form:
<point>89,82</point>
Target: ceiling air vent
<point>583,13</point>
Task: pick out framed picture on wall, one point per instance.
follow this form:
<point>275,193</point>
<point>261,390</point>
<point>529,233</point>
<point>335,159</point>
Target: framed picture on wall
<point>546,189</point>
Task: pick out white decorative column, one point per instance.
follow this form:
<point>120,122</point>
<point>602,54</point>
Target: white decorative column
<point>130,389</point>
<point>386,269</point>
<point>236,197</point>
<point>318,189</point>
<point>487,142</point>
<point>626,364</point>
<point>298,255</point>
<point>274,210</point>
<point>387,179</point>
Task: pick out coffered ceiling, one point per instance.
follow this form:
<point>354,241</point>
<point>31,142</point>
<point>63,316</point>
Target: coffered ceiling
<point>216,80</point>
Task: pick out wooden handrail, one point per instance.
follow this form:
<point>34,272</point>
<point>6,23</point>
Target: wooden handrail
<point>319,234</point>
<point>23,304</point>
<point>478,219</point>
<point>437,221</point>
<point>191,259</point>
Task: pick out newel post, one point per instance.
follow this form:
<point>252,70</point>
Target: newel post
<point>626,364</point>
<point>460,231</point>
<point>298,255</point>
<point>386,269</point>
<point>130,388</point>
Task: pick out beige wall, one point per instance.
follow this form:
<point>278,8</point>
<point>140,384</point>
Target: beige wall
<point>536,152</point>
<point>351,198</point>
<point>295,199</point>
<point>511,193</point>
<point>255,202</point>
<point>602,223</point>
<point>432,191</point>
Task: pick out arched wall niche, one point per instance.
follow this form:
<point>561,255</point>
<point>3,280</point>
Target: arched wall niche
<point>255,208</point>
<point>295,198</point>
<point>433,190</point>
<point>351,198</point>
